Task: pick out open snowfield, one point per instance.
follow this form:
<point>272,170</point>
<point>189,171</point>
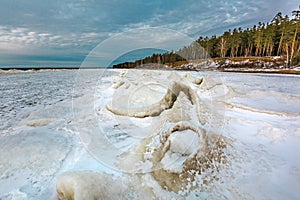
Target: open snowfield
<point>138,134</point>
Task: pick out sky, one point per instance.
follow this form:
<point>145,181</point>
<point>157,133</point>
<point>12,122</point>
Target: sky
<point>64,32</point>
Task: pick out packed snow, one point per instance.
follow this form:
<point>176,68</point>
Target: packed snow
<point>139,134</point>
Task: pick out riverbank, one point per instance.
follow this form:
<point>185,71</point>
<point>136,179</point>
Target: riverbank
<point>238,64</point>
<point>256,65</point>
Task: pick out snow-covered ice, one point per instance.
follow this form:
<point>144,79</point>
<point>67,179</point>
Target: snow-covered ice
<point>139,134</point>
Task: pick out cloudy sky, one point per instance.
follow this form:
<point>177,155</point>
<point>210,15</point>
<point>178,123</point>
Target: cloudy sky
<point>53,32</point>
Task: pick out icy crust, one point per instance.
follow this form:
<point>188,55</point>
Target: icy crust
<point>33,153</point>
<point>247,148</point>
<point>29,161</point>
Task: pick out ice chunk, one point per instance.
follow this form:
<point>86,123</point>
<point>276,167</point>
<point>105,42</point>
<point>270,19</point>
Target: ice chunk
<point>88,185</point>
<point>157,108</point>
<point>182,145</point>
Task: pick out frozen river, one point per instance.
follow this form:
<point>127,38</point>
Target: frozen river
<point>244,128</point>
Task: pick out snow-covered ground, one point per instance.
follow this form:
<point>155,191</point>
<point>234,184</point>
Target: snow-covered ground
<point>136,134</point>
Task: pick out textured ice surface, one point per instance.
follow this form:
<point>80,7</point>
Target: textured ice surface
<point>246,149</point>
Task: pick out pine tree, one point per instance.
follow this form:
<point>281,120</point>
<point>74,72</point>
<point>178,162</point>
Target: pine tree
<point>295,42</point>
<point>222,47</point>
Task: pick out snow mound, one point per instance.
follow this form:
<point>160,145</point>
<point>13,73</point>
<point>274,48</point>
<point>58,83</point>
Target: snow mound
<point>172,154</point>
<point>185,154</point>
<point>152,108</point>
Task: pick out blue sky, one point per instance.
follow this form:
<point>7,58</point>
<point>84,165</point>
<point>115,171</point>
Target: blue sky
<point>54,32</point>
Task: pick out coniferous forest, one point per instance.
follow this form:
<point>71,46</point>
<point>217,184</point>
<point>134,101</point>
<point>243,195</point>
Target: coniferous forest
<point>279,37</point>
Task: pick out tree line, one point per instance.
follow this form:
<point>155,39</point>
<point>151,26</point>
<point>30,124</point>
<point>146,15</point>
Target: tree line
<point>279,37</point>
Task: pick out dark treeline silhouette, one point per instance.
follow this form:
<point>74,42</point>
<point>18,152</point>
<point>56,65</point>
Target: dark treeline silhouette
<point>159,59</point>
<point>280,37</point>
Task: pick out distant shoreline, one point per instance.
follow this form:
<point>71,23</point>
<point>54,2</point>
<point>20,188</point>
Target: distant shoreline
<point>270,65</point>
<point>35,68</point>
<point>293,72</point>
<point>31,70</point>
<point>237,64</point>
<point>14,70</point>
<point>283,71</point>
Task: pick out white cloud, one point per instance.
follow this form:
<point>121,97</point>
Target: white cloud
<point>17,39</point>
<point>69,26</point>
